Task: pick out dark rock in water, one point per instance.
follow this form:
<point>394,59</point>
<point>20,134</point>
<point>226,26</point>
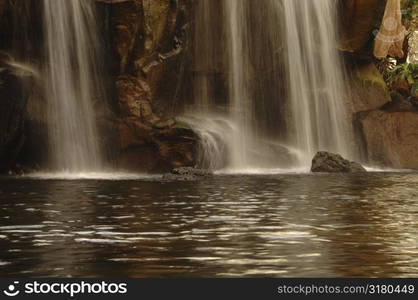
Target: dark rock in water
<point>187,174</point>
<point>334,163</point>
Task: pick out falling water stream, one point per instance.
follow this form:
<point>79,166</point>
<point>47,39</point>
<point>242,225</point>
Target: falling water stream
<point>226,130</point>
<point>314,109</point>
<point>72,84</point>
<point>315,75</point>
<point>239,85</point>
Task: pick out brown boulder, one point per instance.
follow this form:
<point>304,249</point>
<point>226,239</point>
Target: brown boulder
<point>148,149</point>
<point>326,162</point>
<point>369,90</point>
<point>391,138</point>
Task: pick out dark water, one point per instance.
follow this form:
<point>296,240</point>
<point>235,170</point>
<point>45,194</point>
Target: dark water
<point>229,226</point>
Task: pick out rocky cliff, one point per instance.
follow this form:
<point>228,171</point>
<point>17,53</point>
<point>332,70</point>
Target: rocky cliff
<point>147,44</point>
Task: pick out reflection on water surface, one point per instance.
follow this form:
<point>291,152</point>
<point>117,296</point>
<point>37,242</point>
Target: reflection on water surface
<point>228,226</point>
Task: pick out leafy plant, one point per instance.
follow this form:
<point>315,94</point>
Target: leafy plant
<point>404,72</point>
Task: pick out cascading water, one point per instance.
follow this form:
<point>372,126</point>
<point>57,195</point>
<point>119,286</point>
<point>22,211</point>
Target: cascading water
<point>313,112</point>
<point>239,84</point>
<point>318,94</point>
<point>226,126</point>
<point>73,83</point>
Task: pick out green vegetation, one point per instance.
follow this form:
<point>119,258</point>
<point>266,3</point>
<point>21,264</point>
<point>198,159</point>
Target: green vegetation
<point>405,75</point>
<point>410,13</point>
<point>403,72</point>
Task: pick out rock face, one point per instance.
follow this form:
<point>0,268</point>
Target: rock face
<point>360,18</point>
<point>12,103</point>
<point>369,90</point>
<point>391,138</point>
<point>334,163</point>
<point>360,22</point>
<point>146,45</point>
<point>187,174</point>
<point>19,43</point>
<point>151,149</point>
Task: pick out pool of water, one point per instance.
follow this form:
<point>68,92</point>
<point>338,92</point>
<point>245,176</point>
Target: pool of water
<point>285,225</point>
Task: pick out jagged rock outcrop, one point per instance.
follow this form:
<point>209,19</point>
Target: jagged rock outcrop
<point>146,41</point>
<point>146,38</point>
<point>391,138</point>
<point>327,162</point>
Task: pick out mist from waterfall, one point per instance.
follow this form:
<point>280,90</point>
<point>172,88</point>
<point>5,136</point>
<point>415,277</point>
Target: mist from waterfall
<point>254,52</point>
<point>318,110</point>
<point>73,85</point>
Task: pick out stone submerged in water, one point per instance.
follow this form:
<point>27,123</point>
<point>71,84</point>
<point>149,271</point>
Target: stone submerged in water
<point>334,163</point>
<point>187,174</point>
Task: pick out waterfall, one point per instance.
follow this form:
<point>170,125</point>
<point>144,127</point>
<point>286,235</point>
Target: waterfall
<point>73,84</point>
<point>239,83</point>
<point>318,94</point>
<point>258,49</point>
<point>227,123</point>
